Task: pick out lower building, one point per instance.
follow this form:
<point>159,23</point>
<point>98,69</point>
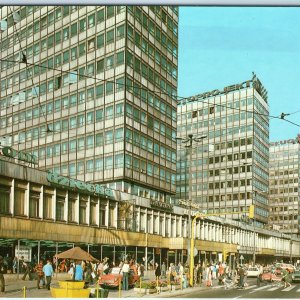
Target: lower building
<point>42,214</point>
<point>284,185</point>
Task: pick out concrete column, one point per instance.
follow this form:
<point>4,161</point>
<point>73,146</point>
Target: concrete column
<point>26,200</point>
<point>88,211</point>
<point>12,198</point>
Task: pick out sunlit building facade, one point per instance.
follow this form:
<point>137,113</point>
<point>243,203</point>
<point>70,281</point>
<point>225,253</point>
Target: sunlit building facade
<point>229,167</point>
<point>284,185</point>
<point>90,90</point>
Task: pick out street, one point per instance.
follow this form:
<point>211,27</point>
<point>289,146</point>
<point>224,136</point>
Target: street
<point>266,290</point>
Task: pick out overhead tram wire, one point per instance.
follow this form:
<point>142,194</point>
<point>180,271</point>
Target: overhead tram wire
<point>24,60</point>
<point>178,98</point>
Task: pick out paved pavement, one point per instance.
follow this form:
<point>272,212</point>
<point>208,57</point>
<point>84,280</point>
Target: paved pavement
<point>14,288</point>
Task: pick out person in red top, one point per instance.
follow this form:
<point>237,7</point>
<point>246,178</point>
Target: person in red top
<point>39,272</point>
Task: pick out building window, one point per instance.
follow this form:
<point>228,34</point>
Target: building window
<point>111,220</point>
<point>4,199</point>
<point>93,211</point>
<point>72,207</point>
<point>60,205</point>
<point>83,200</point>
<point>103,214</point>
<point>48,204</point>
<point>20,191</point>
<point>34,201</point>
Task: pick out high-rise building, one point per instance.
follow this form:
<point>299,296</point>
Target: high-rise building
<point>284,185</point>
<point>90,90</point>
<point>229,167</point>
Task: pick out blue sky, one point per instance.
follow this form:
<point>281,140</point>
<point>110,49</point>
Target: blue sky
<point>220,46</point>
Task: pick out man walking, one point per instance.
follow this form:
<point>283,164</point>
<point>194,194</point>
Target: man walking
<point>241,273</point>
<point>125,272</point>
<point>2,271</point>
<point>39,273</point>
<point>48,271</point>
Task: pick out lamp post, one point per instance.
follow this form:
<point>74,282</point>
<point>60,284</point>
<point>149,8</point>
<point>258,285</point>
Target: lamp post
<point>189,144</point>
<point>238,254</point>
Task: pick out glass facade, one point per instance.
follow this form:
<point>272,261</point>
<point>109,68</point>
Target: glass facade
<point>229,167</point>
<point>96,99</point>
<point>284,185</point>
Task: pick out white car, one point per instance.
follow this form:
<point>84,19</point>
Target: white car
<point>253,272</point>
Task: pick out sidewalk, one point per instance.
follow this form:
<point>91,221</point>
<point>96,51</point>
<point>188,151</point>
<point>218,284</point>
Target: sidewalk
<point>14,288</point>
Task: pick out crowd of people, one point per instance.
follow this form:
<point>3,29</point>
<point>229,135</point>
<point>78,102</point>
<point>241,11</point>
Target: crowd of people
<point>207,273</point>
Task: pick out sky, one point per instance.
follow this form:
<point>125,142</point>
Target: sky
<point>220,46</point>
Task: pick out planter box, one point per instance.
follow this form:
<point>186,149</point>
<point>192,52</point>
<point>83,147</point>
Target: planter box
<point>145,291</point>
<point>174,287</point>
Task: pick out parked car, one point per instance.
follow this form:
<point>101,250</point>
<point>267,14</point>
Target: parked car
<point>114,276</point>
<point>296,276</point>
<point>253,272</point>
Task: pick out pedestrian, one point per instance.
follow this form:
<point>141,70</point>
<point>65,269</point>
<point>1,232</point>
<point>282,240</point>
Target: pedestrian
<point>100,268</point>
<point>27,270</point>
<point>40,274</point>
<point>88,273</point>
<point>199,273</point>
<point>172,272</point>
<point>21,268</point>
<point>125,272</point>
<point>142,270</point>
<point>2,271</point>
<point>208,276</point>
<point>15,265</point>
<point>163,270</point>
<point>48,271</point>
<point>157,271</point>
<point>241,273</point>
<point>78,271</point>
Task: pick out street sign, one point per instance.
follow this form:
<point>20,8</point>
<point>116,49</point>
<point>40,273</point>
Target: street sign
<point>195,251</point>
<point>241,257</point>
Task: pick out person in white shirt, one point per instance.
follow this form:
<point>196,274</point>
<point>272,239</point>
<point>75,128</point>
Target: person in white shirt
<point>125,272</point>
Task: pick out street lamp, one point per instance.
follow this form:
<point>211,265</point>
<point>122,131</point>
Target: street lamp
<point>189,144</point>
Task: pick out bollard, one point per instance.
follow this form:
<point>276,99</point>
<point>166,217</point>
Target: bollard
<point>120,293</point>
<point>24,292</point>
<point>97,289</point>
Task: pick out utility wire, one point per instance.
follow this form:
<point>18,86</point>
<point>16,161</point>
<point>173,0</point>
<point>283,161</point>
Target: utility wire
<point>24,60</point>
<point>142,88</point>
